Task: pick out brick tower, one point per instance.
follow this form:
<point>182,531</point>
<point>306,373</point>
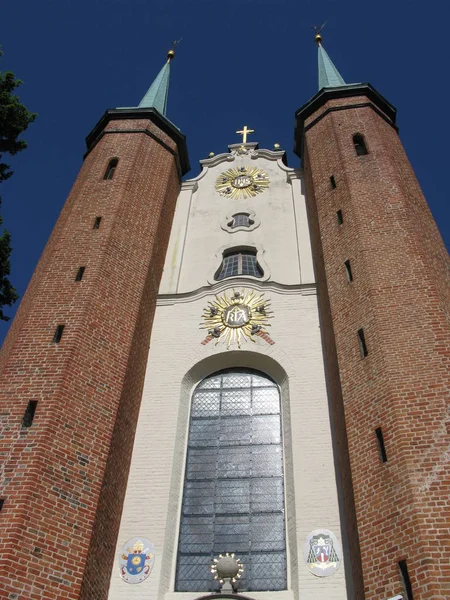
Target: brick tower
<point>76,355</point>
<point>383,277</point>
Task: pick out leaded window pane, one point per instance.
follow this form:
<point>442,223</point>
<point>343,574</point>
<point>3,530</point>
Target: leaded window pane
<point>239,263</point>
<point>230,266</point>
<point>240,220</point>
<point>233,495</point>
<point>206,404</point>
<point>236,380</point>
<point>265,401</point>
<point>249,265</point>
<point>236,402</point>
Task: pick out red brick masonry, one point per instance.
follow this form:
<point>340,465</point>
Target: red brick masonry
<point>63,480</point>
<point>400,297</point>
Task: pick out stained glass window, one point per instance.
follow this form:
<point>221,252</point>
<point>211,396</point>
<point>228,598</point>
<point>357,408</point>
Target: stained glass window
<point>233,497</point>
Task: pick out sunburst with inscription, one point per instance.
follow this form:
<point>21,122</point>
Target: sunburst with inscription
<point>242,182</point>
<point>236,318</point>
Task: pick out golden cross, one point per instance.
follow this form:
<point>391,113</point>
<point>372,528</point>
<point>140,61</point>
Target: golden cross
<point>244,133</point>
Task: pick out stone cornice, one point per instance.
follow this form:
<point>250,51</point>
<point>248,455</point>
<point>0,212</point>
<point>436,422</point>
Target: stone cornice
<point>306,289</point>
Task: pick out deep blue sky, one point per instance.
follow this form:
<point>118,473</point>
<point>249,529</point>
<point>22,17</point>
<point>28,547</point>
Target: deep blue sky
<point>240,62</point>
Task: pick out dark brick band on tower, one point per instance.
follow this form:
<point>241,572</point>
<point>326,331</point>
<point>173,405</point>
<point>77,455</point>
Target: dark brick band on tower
<point>63,479</point>
<point>387,336</point>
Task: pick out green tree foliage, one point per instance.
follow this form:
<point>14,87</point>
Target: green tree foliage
<point>14,119</point>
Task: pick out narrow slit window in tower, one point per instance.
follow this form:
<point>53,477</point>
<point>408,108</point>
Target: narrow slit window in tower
<point>58,334</point>
<point>332,182</point>
<point>111,168</point>
<point>2,502</point>
<point>28,416</point>
<point>348,270</point>
<point>381,446</point>
<point>340,217</point>
<point>362,343</point>
<point>80,274</point>
<point>405,579</point>
<point>97,223</point>
<point>360,144</point>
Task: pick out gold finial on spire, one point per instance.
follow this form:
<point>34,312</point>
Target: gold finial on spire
<point>318,37</point>
<point>171,53</point>
<point>244,132</point>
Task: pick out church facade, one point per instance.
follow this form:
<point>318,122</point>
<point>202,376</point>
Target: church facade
<point>235,385</point>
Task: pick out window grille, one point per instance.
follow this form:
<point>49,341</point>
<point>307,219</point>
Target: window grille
<point>241,220</point>
<point>233,493</point>
<point>239,263</point>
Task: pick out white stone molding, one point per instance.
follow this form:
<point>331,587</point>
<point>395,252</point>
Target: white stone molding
<point>246,211</point>
<point>259,257</point>
<point>273,155</point>
<point>217,160</point>
<point>172,268</point>
<point>190,184</point>
<point>305,260</point>
<point>225,284</point>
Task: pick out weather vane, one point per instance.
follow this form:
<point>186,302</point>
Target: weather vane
<point>171,53</point>
<point>318,37</point>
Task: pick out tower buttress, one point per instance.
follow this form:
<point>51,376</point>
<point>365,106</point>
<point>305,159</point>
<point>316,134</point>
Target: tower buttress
<point>386,333</point>
<point>63,479</point>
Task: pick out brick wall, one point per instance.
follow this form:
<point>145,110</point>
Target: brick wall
<point>399,296</point>
<point>65,477</point>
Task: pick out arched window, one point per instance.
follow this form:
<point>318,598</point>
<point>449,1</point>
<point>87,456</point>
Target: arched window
<point>360,144</point>
<point>240,220</point>
<point>111,168</point>
<point>239,262</point>
<point>233,498</point>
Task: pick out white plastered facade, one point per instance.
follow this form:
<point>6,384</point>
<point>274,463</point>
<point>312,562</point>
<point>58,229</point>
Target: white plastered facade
<point>178,361</point>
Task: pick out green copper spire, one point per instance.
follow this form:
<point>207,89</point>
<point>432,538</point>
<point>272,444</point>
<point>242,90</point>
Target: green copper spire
<point>156,97</point>
<point>329,76</point>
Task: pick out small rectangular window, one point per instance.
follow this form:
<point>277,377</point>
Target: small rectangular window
<point>381,446</point>
<point>340,217</point>
<point>407,587</point>
<point>97,223</point>
<point>58,334</point>
<point>80,274</point>
<point>2,502</point>
<point>332,182</point>
<point>28,416</point>
<point>348,270</point>
<point>362,343</point>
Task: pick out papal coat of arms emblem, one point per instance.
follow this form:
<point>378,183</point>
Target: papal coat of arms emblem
<point>322,553</point>
<point>136,560</point>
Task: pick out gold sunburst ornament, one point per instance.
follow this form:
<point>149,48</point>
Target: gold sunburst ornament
<point>242,182</point>
<point>237,318</point>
